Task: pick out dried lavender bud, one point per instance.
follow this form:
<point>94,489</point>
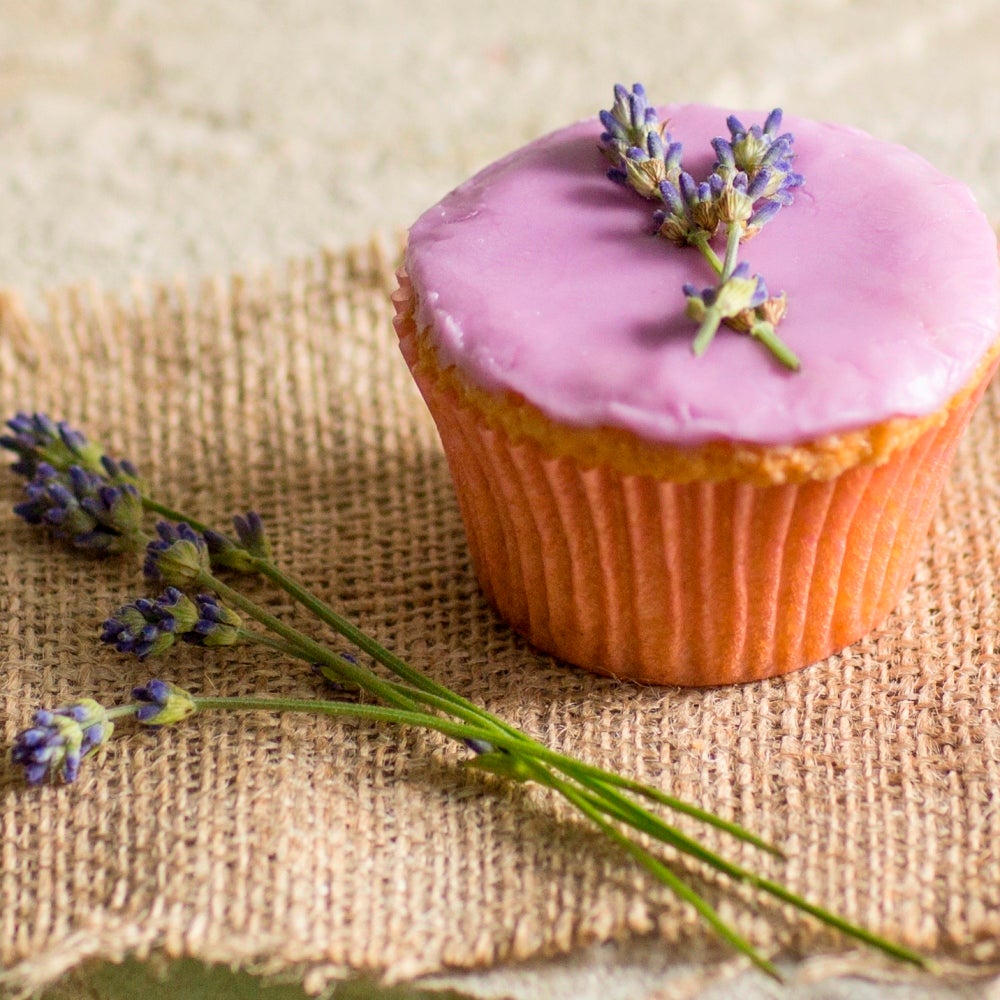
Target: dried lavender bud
<point>37,439</point>
<point>179,557</point>
<point>240,555</point>
<point>148,628</point>
<point>162,703</point>
<point>83,509</point>
<point>217,624</point>
<point>59,739</point>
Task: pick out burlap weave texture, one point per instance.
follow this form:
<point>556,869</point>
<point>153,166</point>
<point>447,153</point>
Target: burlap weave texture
<point>326,847</point>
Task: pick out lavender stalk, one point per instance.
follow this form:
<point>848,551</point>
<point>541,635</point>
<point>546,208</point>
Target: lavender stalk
<point>186,556</point>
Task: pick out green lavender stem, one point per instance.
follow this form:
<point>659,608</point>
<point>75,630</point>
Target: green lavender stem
<point>707,331</point>
<point>595,806</point>
<point>765,333</point>
<point>587,806</point>
<point>699,238</point>
<point>451,701</point>
<point>709,326</point>
<point>437,697</point>
<point>732,249</point>
<point>598,791</point>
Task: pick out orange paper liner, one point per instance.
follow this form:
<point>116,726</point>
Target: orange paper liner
<point>686,583</point>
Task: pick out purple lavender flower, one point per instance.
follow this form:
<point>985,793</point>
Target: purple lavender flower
<point>630,119</point>
<point>59,739</point>
<point>640,152</point>
<point>162,703</point>
<point>179,557</point>
<point>691,209</point>
<point>756,150</point>
<point>739,292</point>
<point>83,509</point>
<point>217,624</point>
<point>148,628</point>
<point>37,439</point>
<point>242,554</point>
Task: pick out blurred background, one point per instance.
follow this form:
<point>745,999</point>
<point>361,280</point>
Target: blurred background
<point>205,136</point>
<point>208,135</point>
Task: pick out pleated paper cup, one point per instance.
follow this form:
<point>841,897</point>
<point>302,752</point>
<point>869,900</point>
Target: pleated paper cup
<point>677,582</point>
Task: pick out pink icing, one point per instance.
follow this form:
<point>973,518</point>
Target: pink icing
<point>541,276</point>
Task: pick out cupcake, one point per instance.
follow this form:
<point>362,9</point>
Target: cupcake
<point>668,515</point>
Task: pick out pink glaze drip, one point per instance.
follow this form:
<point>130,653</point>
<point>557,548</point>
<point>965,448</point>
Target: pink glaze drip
<point>541,276</point>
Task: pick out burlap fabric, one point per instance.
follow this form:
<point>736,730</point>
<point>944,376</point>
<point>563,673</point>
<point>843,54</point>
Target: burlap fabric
<point>301,844</point>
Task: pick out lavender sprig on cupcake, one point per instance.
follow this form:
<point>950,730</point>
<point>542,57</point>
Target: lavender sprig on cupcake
<point>752,179</point>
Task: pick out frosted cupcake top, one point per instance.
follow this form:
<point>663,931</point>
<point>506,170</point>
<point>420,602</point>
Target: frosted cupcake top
<point>541,277</point>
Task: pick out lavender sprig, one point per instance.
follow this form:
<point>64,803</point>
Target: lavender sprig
<point>179,556</point>
<point>159,703</point>
<point>750,181</point>
<point>84,508</point>
<point>60,738</point>
<point>182,556</point>
<point>150,627</point>
<point>37,440</point>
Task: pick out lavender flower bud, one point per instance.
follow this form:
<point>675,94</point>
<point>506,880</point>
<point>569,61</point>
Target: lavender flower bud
<point>757,188</point>
<point>615,130</point>
<point>162,703</point>
<point>671,198</point>
<point>217,624</point>
<point>37,438</point>
<point>120,471</point>
<point>688,188</point>
<point>763,215</point>
<point>81,508</point>
<point>773,122</point>
<point>702,206</point>
<point>630,124</point>
<point>241,556</point>
<point>672,158</point>
<point>759,296</point>
<point>179,556</point>
<point>725,160</point>
<point>148,628</point>
<point>60,739</point>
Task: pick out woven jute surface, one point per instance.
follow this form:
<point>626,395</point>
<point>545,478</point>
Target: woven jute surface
<point>308,845</point>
